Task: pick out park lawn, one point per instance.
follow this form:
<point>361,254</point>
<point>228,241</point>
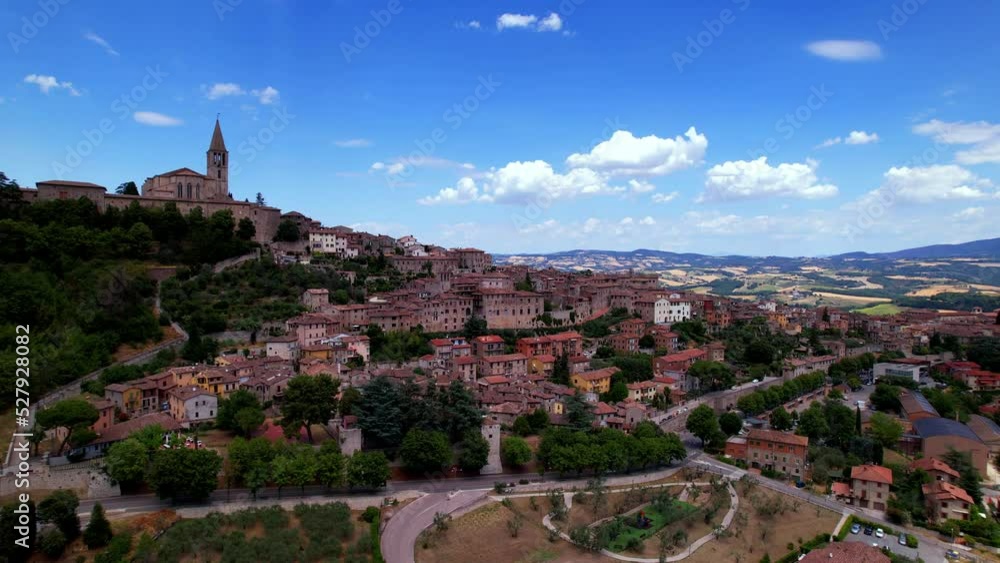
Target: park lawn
<point>693,525</point>
<point>619,501</point>
<point>658,521</point>
<point>753,535</point>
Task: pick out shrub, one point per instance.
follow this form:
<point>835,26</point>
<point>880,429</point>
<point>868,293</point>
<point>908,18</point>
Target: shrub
<point>370,514</point>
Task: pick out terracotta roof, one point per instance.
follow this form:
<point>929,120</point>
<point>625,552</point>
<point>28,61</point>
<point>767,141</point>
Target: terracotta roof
<point>934,464</point>
<point>778,437</point>
<point>185,393</point>
<point>183,172</point>
<point>489,339</point>
<point>69,183</point>
<point>123,430</point>
<point>942,491</point>
<point>218,143</point>
<point>841,489</point>
<point>875,473</point>
<point>597,374</point>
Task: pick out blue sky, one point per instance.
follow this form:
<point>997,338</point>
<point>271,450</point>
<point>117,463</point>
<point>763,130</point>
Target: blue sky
<point>733,126</point>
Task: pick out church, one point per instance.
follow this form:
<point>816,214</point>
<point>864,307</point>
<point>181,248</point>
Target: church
<point>184,187</point>
<point>185,183</point>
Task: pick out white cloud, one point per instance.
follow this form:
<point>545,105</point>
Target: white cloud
<point>853,138</point>
<point>647,220</point>
<point>267,96</point>
<point>523,182</point>
<point>845,50</point>
<point>830,142</point>
<point>716,224</point>
<point>95,38</point>
<point>665,198</point>
<point>474,24</point>
<point>155,119</point>
<point>223,89</point>
<point>626,154</point>
<point>970,213</point>
<point>747,179</point>
<point>983,136</point>
<point>925,184</point>
<point>861,138</point>
<point>400,165</point>
<point>551,22</point>
<point>507,21</point>
<point>353,143</point>
<point>640,187</point>
<point>46,83</point>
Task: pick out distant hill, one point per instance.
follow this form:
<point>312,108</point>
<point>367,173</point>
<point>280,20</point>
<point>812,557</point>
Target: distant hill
<point>988,248</point>
<point>644,259</point>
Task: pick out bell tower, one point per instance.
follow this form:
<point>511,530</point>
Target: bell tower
<point>218,165</point>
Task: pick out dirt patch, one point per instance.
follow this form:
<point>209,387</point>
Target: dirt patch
<point>753,534</point>
<point>482,536</point>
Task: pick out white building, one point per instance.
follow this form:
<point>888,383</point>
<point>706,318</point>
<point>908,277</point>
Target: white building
<point>892,369</point>
<point>192,404</point>
<point>328,241</point>
<point>671,311</point>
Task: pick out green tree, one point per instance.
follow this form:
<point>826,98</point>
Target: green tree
<point>475,451</point>
<point>308,400</point>
<point>647,341</point>
<point>59,509</point>
<point>331,466</point>
<point>182,473</point>
<point>780,419</point>
<point>474,326</point>
<point>560,370</point>
<point>617,393</point>
<point>812,423</point>
<point>52,543</point>
<point>712,376</point>
<point>127,188</point>
<point>73,415</point>
<point>126,461</point>
<point>349,399</point>
<point>579,413</point>
<point>522,427</point>
<point>702,423</point>
<point>885,398</point>
<point>515,451</point>
<point>287,231</point>
<point>367,470</point>
<point>295,468</point>
<point>968,474</point>
<point>885,430</point>
<point>731,423</point>
<point>539,420</point>
<point>425,451</point>
<point>238,401</point>
<point>245,229</point>
<point>380,413</point>
<point>98,532</point>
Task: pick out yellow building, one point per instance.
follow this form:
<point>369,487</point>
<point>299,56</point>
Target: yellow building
<point>597,381</point>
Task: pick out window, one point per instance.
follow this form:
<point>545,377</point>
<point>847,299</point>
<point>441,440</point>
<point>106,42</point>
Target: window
<point>189,190</point>
<point>180,190</point>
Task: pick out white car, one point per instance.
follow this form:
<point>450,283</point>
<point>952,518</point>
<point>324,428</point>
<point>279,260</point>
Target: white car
<point>879,533</point>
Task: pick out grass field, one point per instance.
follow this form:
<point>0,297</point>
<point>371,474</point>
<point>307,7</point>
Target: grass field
<point>880,309</point>
<point>657,521</point>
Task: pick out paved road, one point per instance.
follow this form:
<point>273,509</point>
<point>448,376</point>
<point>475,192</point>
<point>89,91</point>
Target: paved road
<point>400,535</point>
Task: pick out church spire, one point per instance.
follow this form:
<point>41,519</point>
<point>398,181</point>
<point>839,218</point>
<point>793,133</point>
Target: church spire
<point>218,144</point>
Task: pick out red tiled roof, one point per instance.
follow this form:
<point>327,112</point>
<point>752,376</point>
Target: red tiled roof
<point>934,464</point>
<point>778,437</point>
<point>942,491</point>
<point>874,473</point>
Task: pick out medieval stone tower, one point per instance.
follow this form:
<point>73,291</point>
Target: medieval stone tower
<point>218,165</point>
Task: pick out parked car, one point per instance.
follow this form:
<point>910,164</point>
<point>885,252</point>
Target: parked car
<point>855,528</point>
<point>902,539</point>
<point>869,530</point>
<point>879,533</point>
<point>951,554</point>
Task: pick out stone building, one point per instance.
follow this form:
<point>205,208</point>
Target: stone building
<point>184,187</point>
